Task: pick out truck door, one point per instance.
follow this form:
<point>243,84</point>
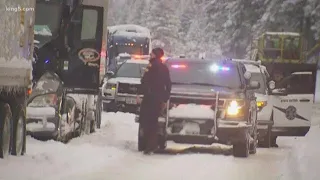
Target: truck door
<point>82,68</point>
<point>294,108</point>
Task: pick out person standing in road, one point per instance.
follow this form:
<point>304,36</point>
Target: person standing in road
<point>155,88</point>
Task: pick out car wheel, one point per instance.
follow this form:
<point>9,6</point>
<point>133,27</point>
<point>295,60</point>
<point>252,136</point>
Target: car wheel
<point>5,130</point>
<point>241,149</point>
<point>141,139</point>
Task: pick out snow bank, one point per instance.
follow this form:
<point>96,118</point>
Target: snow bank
<point>33,112</point>
<point>191,111</point>
<point>53,160</point>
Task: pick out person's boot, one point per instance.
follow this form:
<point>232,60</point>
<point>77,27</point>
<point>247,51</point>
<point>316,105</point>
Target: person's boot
<point>274,142</point>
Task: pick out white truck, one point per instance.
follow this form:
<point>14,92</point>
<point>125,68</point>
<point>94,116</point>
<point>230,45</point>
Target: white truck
<point>16,53</point>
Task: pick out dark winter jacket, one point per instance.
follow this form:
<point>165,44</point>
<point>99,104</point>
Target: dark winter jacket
<point>156,82</point>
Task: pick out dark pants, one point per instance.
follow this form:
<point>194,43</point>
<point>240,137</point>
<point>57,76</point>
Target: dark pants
<point>149,113</point>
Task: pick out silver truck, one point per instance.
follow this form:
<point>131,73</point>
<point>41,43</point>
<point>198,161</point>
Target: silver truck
<point>121,87</point>
<point>16,54</point>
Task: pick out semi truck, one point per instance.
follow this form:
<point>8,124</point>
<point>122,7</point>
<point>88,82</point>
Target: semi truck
<point>66,71</point>
<point>127,41</point>
<point>16,54</point>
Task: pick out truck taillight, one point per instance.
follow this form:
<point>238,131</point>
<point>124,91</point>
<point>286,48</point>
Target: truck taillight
<point>29,91</point>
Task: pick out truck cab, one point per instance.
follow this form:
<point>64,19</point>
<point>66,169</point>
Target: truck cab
<point>126,41</point>
<point>70,42</point>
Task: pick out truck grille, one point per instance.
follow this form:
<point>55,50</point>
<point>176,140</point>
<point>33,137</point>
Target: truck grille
<point>211,102</point>
<point>128,88</point>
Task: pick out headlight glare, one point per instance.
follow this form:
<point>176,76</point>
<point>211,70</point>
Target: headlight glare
<point>233,108</point>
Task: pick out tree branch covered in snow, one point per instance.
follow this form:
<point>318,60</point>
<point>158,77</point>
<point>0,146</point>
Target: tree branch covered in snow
<point>223,27</point>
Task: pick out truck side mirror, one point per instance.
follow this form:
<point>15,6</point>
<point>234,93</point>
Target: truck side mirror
<point>247,75</point>
<point>272,85</point>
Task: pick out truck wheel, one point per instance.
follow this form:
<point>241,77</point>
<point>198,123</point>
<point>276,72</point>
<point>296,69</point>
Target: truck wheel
<point>98,112</point>
<point>19,133</point>
<point>141,139</point>
<point>241,149</point>
<point>254,143</point>
<point>5,130</point>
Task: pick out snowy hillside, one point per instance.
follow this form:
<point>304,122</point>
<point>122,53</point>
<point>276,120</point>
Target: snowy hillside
<point>190,26</point>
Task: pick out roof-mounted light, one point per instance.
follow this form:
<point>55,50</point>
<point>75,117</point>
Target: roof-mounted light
<point>179,66</point>
<point>215,68</point>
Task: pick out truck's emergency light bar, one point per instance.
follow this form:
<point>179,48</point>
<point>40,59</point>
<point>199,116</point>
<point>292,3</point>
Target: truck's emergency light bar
<point>179,66</point>
<point>216,68</point>
<point>213,68</point>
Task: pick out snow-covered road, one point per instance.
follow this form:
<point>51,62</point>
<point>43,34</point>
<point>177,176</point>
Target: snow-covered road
<point>110,154</point>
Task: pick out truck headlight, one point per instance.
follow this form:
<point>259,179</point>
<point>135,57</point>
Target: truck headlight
<point>233,109</point>
<point>261,104</point>
<point>111,86</point>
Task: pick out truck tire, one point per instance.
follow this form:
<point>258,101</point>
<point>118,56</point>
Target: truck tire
<point>5,129</point>
<point>98,111</point>
<point>241,149</point>
<point>141,139</point>
<point>19,133</point>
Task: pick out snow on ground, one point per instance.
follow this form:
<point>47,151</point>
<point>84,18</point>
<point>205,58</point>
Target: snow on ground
<point>111,153</point>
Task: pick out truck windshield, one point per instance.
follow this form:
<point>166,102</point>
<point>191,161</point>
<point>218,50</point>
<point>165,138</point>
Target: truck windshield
<point>205,73</point>
<point>131,70</point>
<point>129,49</point>
<point>47,19</point>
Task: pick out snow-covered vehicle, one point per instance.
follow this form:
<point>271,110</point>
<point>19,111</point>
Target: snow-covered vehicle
<point>210,102</point>
<point>120,90</point>
<point>50,113</point>
<point>15,74</point>
<point>259,73</point>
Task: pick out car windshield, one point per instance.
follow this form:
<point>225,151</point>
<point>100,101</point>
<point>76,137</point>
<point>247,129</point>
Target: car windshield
<point>47,19</point>
<point>205,73</point>
<point>261,79</point>
<point>131,70</point>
